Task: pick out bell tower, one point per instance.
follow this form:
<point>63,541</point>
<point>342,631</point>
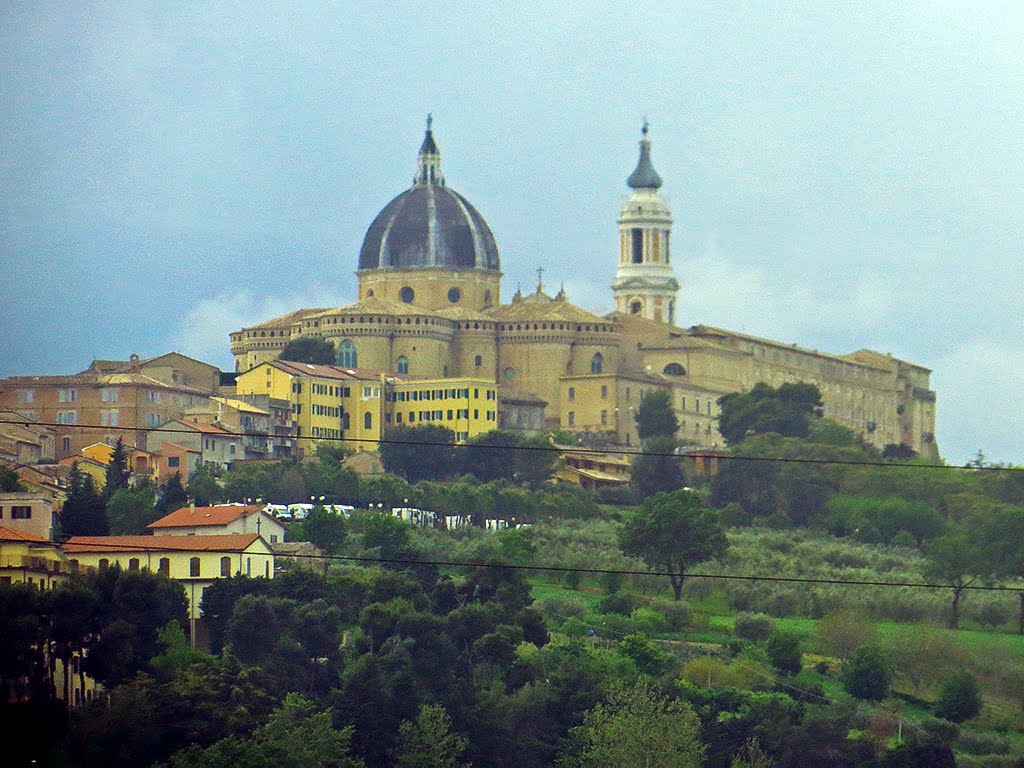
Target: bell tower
<point>644,282</point>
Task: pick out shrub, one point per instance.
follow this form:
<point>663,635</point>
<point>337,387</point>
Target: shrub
<point>867,673</point>
<point>561,608</point>
<point>840,632</point>
<point>679,616</point>
<point>783,648</point>
<point>734,516</point>
<point>574,627</point>
<point>904,539</point>
<point>975,743</point>
<point>616,626</point>
<point>753,626</point>
<point>617,602</point>
<point>612,582</point>
<point>991,614</point>
<point>959,700</point>
<point>622,496</point>
<point>649,621</point>
<point>708,672</point>
<point>572,579</point>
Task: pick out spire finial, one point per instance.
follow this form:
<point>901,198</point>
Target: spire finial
<point>540,279</point>
<point>429,162</point>
<point>643,130</point>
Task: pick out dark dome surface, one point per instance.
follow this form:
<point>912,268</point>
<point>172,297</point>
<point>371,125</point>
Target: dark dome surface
<point>429,225</point>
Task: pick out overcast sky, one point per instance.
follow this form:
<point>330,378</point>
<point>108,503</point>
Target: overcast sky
<point>841,177</point>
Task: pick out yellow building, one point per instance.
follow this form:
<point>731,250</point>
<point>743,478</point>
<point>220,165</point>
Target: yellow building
<point>429,308</point>
<point>195,561</point>
<point>28,559</point>
<point>331,402</point>
<point>468,407</point>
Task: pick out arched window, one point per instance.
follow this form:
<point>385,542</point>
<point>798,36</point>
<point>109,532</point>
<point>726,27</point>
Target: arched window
<point>596,363</point>
<point>674,369</point>
<point>636,308</point>
<point>478,361</point>
<point>407,294</point>
<point>347,354</point>
<point>367,420</point>
<point>487,298</point>
<point>454,294</point>
<point>346,421</point>
<point>193,566</point>
<point>104,563</point>
<point>225,566</point>
<point>403,364</point>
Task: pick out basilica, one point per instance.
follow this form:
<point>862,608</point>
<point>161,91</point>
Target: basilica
<point>430,307</point>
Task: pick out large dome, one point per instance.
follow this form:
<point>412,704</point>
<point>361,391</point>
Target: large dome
<point>429,226</point>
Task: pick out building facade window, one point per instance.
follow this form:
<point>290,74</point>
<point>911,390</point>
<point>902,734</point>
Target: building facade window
<point>637,252</point>
<point>403,364</point>
<point>165,566</point>
<point>347,354</point>
<point>133,564</point>
<point>19,512</point>
<point>572,393</point>
<point>225,566</point>
<point>596,363</point>
<point>572,417</point>
<point>367,420</point>
<point>454,294</point>
<point>478,361</point>
<point>407,294</point>
<point>193,566</point>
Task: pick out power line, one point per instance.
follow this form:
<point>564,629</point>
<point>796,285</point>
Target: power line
<point>578,569</point>
<point>551,449</point>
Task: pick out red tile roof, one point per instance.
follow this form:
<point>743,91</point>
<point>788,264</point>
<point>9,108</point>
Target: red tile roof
<point>233,542</point>
<point>11,534</point>
<point>207,429</point>
<point>186,517</point>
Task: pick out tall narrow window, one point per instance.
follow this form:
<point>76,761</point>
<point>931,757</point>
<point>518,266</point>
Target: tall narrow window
<point>668,254</point>
<point>367,420</point>
<point>193,566</point>
<point>638,245</point>
<point>403,364</point>
<point>347,354</point>
<point>225,566</point>
<point>133,564</point>
<point>165,566</point>
<point>596,363</point>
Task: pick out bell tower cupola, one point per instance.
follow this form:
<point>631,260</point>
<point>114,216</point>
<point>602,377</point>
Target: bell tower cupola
<point>645,283</point>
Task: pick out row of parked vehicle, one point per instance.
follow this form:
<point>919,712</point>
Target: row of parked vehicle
<point>293,512</point>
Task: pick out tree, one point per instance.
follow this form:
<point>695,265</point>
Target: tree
<point>386,534</point>
<point>636,726</point>
<point>786,411</point>
<point>418,453</point>
<point>1000,534</point>
<point>428,741</point>
<point>308,349</point>
<point>171,496</point>
<point>655,416</point>
<point>657,469</point>
<point>783,648</point>
<point>959,699</point>
<point>955,559</point>
<point>118,473</point>
<point>535,461</point>
<point>204,488</point>
<point>490,456</point>
<point>672,531</point>
<point>295,736</point>
<point>9,481</point>
<point>84,512</point>
<point>867,673</point>
<point>325,529</point>
<point>131,510</point>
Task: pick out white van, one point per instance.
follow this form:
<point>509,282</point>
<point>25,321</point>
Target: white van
<point>300,511</point>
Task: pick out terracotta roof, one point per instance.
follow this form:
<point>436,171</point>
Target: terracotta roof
<point>325,371</point>
<point>234,542</point>
<point>206,429</point>
<point>284,320</point>
<point>539,306</point>
<point>187,517</point>
<point>11,534</point>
